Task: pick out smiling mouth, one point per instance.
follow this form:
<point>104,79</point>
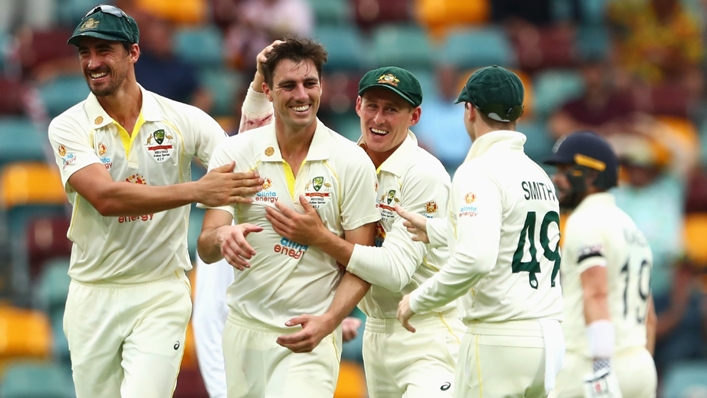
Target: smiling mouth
<point>378,132</point>
<point>302,108</point>
<point>97,75</point>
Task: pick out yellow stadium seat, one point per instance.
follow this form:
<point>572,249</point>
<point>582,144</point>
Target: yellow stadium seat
<point>439,16</point>
<point>23,334</point>
<point>695,235</point>
<point>352,382</point>
<point>189,361</point>
<point>31,183</point>
<point>186,12</point>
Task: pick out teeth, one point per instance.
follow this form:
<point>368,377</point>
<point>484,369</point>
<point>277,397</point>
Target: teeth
<point>301,108</point>
<point>379,131</point>
<point>97,75</point>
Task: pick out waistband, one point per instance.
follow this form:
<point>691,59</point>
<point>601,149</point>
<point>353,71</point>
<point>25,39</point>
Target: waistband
<point>258,326</point>
<point>175,276</point>
<point>392,325</point>
<point>527,328</point>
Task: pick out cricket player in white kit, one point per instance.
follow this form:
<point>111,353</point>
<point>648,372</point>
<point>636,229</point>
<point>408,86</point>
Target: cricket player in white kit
<point>503,236</point>
<point>301,160</point>
<point>606,267</point>
<point>396,364</point>
<point>124,155</point>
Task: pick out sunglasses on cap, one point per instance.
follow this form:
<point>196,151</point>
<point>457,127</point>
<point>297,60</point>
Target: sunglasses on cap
<point>107,9</point>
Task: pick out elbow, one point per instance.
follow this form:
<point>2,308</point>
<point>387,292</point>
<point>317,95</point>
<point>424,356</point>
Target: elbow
<point>398,284</point>
<point>207,252</point>
<point>106,208</point>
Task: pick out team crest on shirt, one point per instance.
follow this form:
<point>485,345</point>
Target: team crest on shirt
<point>467,209</point>
<point>102,150</point>
<point>136,179</point>
<point>67,158</point>
<point>317,191</point>
<point>266,195</point>
<point>159,145</point>
<point>430,209</point>
<point>61,150</point>
<point>385,203</point>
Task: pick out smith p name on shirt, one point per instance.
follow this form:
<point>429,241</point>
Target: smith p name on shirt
<point>535,190</point>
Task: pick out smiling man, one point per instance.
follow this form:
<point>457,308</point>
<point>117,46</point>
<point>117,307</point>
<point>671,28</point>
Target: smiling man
<point>124,155</point>
<point>397,364</point>
<point>298,157</point>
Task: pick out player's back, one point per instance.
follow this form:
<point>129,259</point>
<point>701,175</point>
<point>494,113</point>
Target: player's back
<point>523,284</point>
<point>598,232</point>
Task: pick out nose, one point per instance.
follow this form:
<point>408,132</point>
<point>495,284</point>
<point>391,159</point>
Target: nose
<point>378,118</point>
<point>300,93</point>
<point>93,61</point>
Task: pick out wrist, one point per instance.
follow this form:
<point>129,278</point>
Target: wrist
<point>600,335</point>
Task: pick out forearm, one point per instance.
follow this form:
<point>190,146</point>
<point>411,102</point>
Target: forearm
<point>389,266</point>
<point>349,293</point>
<point>208,246</point>
<point>596,307</point>
<point>651,321</point>
<point>127,199</point>
<point>338,248</point>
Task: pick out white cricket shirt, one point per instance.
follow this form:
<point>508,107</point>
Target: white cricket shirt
<point>503,238</point>
<point>287,279</point>
<point>598,233</point>
<point>167,135</point>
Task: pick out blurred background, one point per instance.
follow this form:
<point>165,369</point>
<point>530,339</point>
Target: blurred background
<point>631,70</point>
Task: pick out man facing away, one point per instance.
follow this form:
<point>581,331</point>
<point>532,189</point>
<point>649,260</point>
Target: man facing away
<point>296,156</point>
<point>503,235</point>
<point>606,268</point>
<point>124,155</point>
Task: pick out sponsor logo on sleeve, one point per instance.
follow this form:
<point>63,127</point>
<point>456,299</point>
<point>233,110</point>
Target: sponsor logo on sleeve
<point>468,209</point>
<point>102,150</point>
<point>430,209</point>
<point>266,195</point>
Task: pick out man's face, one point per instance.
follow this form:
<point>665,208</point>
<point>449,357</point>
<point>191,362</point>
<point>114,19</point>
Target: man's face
<point>385,119</point>
<point>563,187</point>
<point>105,64</point>
<point>296,93</point>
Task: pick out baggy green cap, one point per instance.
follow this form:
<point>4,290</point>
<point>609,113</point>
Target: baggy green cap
<point>398,80</point>
<point>496,92</point>
<point>108,23</point>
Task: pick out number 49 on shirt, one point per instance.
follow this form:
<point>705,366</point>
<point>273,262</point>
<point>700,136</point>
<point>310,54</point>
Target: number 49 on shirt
<point>528,231</point>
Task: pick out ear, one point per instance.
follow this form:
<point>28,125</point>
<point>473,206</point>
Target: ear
<point>266,91</point>
<point>134,52</point>
<point>359,102</point>
<point>416,114</point>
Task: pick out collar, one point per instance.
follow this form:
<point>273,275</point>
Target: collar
<point>399,160</point>
<point>99,117</point>
<point>499,139</point>
<point>599,198</point>
<point>318,150</point>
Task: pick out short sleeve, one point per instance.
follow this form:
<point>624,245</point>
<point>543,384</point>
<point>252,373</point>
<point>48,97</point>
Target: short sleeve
<point>358,205</point>
<point>72,147</point>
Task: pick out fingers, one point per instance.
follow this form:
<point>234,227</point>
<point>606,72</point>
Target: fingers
<point>408,326</point>
<point>225,168</point>
<point>308,208</point>
<point>234,259</point>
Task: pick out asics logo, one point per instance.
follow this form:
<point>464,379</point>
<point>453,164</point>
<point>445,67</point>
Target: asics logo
<point>446,386</point>
<point>176,346</point>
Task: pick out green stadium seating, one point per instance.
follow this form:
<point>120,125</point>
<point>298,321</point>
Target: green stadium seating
<point>345,45</point>
<point>62,93</point>
<point>553,87</point>
<point>20,140</point>
<point>331,12</point>
<point>477,47</point>
<point>223,85</point>
<point>36,380</point>
<point>407,46</point>
<point>685,380</point>
<point>202,47</point>
<point>53,286</point>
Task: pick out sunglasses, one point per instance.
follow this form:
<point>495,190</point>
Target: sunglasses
<point>108,9</point>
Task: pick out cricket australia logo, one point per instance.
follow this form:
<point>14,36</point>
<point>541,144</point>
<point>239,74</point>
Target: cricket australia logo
<point>321,195</point>
<point>391,197</point>
<point>389,79</point>
<point>162,147</point>
<point>385,203</point>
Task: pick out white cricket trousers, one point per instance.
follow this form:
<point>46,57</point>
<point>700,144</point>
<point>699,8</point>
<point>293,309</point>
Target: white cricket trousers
<point>400,364</point>
<point>634,369</point>
<point>127,340</point>
<point>258,367</point>
<point>509,359</point>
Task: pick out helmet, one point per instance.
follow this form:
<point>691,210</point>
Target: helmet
<point>586,151</point>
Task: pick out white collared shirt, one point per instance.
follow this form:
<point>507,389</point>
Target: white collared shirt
<point>167,135</point>
<point>599,233</point>
<point>287,279</point>
<point>418,182</point>
<point>503,233</point>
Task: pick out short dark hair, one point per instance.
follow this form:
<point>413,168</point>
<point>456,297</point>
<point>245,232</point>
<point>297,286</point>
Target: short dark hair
<point>295,49</point>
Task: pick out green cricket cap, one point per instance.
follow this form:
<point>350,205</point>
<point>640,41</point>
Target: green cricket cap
<point>398,80</point>
<point>496,92</point>
<point>108,23</point>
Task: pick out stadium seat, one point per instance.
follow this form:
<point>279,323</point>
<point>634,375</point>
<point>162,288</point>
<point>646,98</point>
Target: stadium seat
<point>46,240</point>
<point>60,345</point>
<point>538,145</point>
<point>202,47</point>
<point>685,380</point>
<point>223,85</point>
<point>20,141</point>
<point>71,11</point>
<point>53,287</point>
<point>38,47</point>
<point>26,334</point>
<point>5,42</point>
<point>592,41</point>
<point>477,47</point>
<point>428,82</point>
<point>440,16</point>
<point>12,95</point>
<point>694,233</point>
<point>666,99</point>
<point>553,87</point>
<point>62,93</point>
<point>406,46</point>
<point>37,380</point>
<point>190,384</point>
<point>352,382</point>
<point>372,13</point>
<point>182,12</point>
<point>331,12</point>
<point>341,91</point>
<point>544,48</point>
<point>349,126</point>
<point>346,48</point>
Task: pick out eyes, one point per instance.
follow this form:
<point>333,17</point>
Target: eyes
<point>308,84</point>
<point>386,108</point>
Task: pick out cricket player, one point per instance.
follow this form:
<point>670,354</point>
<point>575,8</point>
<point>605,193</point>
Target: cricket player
<point>298,157</point>
<point>606,267</point>
<point>503,235</point>
<point>124,155</point>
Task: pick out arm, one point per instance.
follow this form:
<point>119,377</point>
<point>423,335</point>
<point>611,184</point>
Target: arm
<point>257,110</point>
<point>210,312</point>
<point>600,330</point>
<point>349,292</point>
<point>651,323</point>
<point>219,239</point>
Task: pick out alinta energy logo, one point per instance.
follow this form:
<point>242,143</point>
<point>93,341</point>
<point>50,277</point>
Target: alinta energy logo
<point>290,248</point>
<point>266,195</point>
<point>468,210</point>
